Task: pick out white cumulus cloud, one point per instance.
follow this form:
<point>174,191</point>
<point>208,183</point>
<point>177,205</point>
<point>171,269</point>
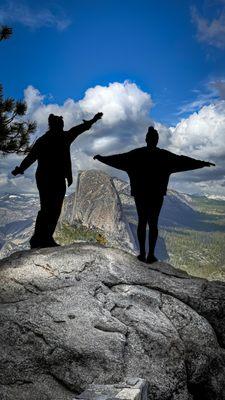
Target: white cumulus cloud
<point>126,111</point>
<point>123,127</point>
<point>118,102</point>
<point>202,134</point>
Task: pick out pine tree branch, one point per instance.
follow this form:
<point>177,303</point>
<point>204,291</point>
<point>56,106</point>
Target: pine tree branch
<point>5,32</point>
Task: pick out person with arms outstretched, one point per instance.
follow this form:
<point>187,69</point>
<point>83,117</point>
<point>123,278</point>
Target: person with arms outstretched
<point>149,169</point>
<point>52,151</point>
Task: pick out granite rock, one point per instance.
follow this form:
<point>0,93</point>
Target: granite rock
<point>96,205</point>
<point>87,314</point>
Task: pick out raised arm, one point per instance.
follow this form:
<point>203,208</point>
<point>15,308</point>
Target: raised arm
<point>119,161</point>
<point>28,160</point>
<point>85,126</point>
<point>184,163</point>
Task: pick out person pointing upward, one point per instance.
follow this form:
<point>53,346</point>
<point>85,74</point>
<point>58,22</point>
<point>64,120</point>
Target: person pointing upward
<point>52,151</point>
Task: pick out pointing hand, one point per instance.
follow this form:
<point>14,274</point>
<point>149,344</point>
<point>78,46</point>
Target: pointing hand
<point>98,116</point>
<point>17,171</point>
<point>209,164</point>
<point>96,157</point>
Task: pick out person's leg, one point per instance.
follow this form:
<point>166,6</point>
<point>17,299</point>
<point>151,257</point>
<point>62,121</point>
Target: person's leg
<point>39,237</point>
<point>57,202</point>
<point>155,206</point>
<point>141,228</point>
<point>51,200</point>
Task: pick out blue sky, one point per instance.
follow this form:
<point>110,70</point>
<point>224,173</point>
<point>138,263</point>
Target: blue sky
<point>152,43</point>
<point>172,53</point>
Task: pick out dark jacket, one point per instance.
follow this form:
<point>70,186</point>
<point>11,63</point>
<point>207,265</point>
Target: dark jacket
<point>149,169</point>
<point>52,151</point>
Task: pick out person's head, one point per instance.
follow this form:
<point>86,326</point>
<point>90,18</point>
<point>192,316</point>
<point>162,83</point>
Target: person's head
<point>55,123</point>
<point>152,137</point>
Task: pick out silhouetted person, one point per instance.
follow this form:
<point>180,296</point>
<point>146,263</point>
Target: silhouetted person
<point>149,169</point>
<point>52,151</point>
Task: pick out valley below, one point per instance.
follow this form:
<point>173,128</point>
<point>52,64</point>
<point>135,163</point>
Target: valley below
<point>191,228</point>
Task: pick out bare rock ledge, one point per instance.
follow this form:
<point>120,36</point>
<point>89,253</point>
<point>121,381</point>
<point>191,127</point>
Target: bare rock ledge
<point>86,315</point>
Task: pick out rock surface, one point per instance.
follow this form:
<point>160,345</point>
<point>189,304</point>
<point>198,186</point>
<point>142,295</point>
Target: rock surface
<point>132,389</point>
<point>86,314</point>
<point>97,205</point>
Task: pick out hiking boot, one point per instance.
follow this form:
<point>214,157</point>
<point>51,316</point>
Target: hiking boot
<point>52,243</point>
<point>141,257</point>
<point>151,259</point>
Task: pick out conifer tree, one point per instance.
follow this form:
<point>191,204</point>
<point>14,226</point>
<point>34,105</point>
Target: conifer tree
<point>14,131</point>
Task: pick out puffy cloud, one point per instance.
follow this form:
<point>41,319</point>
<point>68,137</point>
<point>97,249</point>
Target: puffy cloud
<point>20,184</point>
<point>18,11</point>
<point>202,134</point>
<point>118,102</point>
<point>126,118</point>
<point>126,111</point>
<point>34,99</point>
<point>102,144</point>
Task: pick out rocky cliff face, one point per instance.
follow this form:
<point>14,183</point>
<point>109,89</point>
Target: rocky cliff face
<point>97,205</point>
<point>85,314</point>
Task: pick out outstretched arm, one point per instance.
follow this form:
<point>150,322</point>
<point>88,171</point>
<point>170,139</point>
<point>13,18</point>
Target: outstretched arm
<point>184,163</point>
<point>86,125</point>
<point>28,160</point>
<point>119,161</point>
